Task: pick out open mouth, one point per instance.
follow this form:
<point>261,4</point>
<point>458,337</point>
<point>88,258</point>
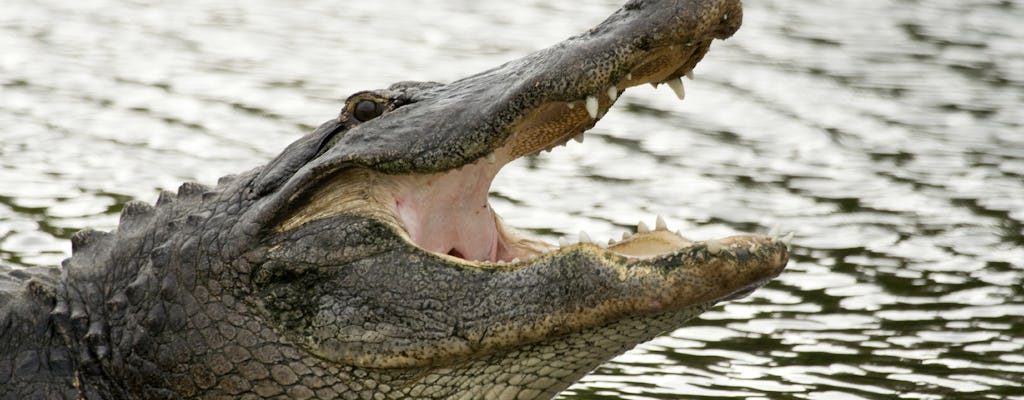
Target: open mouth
<point>448,213</point>
<point>426,168</point>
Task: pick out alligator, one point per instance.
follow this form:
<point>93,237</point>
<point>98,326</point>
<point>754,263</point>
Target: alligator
<point>365,262</point>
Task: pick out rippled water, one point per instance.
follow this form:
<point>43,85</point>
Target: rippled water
<point>887,134</point>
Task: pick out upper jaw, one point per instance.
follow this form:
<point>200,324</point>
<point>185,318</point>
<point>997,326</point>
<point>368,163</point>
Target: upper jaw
<point>443,127</point>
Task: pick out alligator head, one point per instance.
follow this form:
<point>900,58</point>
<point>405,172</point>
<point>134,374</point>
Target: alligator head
<point>366,259</point>
<point>403,175</point>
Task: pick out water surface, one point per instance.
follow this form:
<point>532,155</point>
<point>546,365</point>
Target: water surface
<point>887,134</point>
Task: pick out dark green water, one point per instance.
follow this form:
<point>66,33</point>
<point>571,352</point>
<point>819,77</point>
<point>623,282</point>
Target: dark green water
<point>887,134</point>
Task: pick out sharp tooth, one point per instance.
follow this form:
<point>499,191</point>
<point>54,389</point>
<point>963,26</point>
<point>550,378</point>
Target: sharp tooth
<point>562,242</point>
<point>613,93</point>
<point>611,242</point>
<point>592,106</point>
<point>642,227</point>
<point>788,239</point>
<point>585,238</point>
<point>491,157</point>
<point>500,262</point>
<point>774,233</point>
<point>626,235</point>
<point>713,246</point>
<point>660,224</point>
<point>571,105</point>
<point>753,248</point>
<point>514,260</point>
<point>578,138</point>
<point>629,76</point>
<point>677,86</point>
<point>689,74</point>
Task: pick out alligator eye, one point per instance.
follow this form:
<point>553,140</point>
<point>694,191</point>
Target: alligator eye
<point>366,110</point>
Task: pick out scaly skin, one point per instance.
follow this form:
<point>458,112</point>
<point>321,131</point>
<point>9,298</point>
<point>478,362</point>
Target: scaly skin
<point>323,274</point>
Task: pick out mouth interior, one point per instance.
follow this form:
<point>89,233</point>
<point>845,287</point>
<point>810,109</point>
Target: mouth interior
<point>449,213</point>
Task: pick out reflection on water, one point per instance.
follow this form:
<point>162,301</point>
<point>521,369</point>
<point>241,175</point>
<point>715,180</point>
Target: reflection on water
<point>887,134</point>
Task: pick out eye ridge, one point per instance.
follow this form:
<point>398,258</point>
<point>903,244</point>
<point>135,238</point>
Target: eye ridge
<point>366,110</point>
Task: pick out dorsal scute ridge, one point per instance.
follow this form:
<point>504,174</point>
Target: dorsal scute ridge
<point>135,213</point>
<point>191,189</point>
<point>87,238</point>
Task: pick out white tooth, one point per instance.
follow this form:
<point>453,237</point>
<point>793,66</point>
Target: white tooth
<point>629,76</point>
<point>562,242</point>
<point>626,235</point>
<point>788,239</point>
<point>613,93</point>
<point>592,106</point>
<point>677,86</point>
<point>571,105</point>
<point>753,248</point>
<point>491,157</point>
<point>500,262</point>
<point>585,238</point>
<point>774,233</point>
<point>611,242</point>
<point>578,138</point>
<point>713,246</point>
<point>660,224</point>
<point>642,227</point>
<point>514,260</point>
<point>689,74</point>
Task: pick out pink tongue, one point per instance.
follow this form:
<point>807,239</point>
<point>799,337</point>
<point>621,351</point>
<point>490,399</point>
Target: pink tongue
<point>448,213</point>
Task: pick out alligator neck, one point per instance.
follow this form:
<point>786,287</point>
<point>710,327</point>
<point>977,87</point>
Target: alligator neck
<point>130,302</point>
